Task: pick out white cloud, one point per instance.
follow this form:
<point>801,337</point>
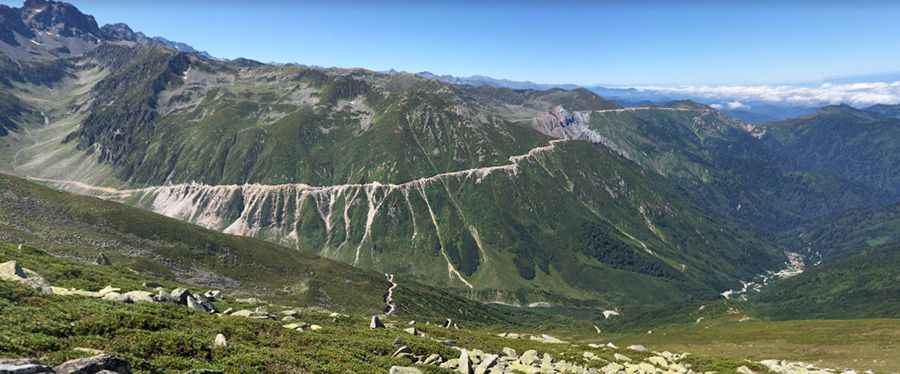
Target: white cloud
<point>734,97</point>
<point>733,105</point>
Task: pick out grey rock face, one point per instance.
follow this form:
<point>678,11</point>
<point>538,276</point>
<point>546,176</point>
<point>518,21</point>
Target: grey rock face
<point>180,295</point>
<point>376,323</point>
<point>102,260</point>
<point>404,370</point>
<point>94,364</point>
<point>23,366</point>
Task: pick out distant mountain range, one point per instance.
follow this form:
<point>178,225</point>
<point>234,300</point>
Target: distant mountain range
<point>751,103</point>
<point>480,80</point>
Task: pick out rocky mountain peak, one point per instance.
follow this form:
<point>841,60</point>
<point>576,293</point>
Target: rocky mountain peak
<point>58,17</point>
<point>120,31</point>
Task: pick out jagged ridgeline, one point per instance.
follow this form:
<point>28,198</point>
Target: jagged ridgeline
<point>510,195</point>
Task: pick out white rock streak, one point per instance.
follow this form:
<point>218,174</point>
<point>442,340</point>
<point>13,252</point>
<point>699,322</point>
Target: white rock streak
<point>389,298</point>
<point>275,212</point>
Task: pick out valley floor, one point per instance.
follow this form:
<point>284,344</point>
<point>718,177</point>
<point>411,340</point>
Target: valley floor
<point>868,344</point>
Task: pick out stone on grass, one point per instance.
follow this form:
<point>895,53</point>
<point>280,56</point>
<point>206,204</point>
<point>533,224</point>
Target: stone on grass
<point>402,350</point>
<point>102,259</point>
<point>94,364</point>
<point>220,341</point>
<point>612,368</point>
<point>529,357</point>
<point>139,296</point>
<point>115,296</point>
<point>12,271</point>
<point>180,295</point>
<point>200,303</point>
<point>107,290</point>
<point>487,361</point>
<point>23,366</point>
<point>376,323</point>
<point>744,370</point>
<point>212,294</point>
<point>465,362</point>
<point>637,348</point>
<point>404,370</point>
<point>433,359</point>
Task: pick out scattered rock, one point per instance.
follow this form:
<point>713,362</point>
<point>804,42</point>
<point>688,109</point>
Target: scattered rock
<point>102,259</point>
<point>152,284</point>
<point>315,327</point>
<point>59,291</point>
<point>547,339</point>
<point>212,295</point>
<point>335,316</point>
<point>12,271</point>
<point>487,361</point>
<point>295,326</point>
<point>290,312</point>
<point>447,323</point>
<point>529,357</point>
<point>509,352</point>
<point>637,348</point>
<point>412,331</point>
<point>162,296</point>
<point>404,370</point>
<point>23,366</point>
<point>115,296</point>
<point>610,313</point>
<point>200,303</point>
<point>659,362</point>
<point>220,341</point>
<point>94,364</point>
<point>433,359</point>
<point>107,290</point>
<point>376,323</point>
<point>547,363</point>
<point>612,368</point>
<point>401,350</point>
<point>180,295</point>
<point>744,370</point>
<point>249,300</point>
<point>139,297</point>
<point>465,363</point>
<point>621,357</point>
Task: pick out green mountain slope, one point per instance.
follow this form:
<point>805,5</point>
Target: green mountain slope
<point>848,143</point>
<point>841,235</point>
<point>862,285</point>
<point>452,185</point>
<point>726,167</point>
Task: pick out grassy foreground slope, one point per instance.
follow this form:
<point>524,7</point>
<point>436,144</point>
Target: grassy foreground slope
<point>158,337</point>
<point>79,228</point>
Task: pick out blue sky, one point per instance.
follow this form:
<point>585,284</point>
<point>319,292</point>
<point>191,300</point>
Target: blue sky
<point>629,43</point>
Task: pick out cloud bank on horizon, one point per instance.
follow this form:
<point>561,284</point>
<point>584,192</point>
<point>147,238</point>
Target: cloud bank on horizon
<point>736,96</point>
